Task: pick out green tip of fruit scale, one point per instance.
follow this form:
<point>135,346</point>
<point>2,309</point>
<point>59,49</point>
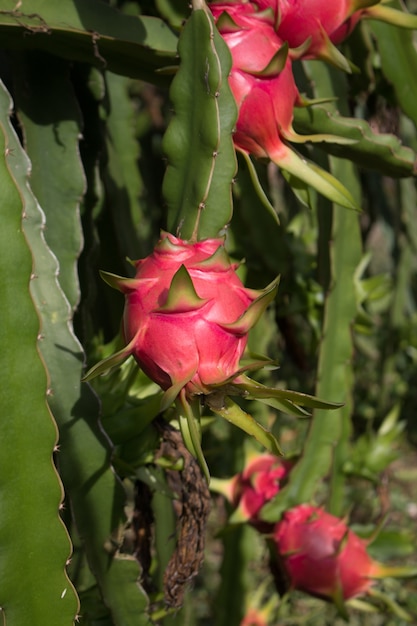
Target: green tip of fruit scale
<point>119,282</point>
<point>182,296</point>
<point>226,23</point>
<point>112,361</point>
<point>275,65</point>
<point>252,314</point>
<point>328,52</point>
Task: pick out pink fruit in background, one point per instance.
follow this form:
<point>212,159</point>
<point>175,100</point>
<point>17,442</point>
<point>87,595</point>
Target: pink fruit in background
<point>187,315</point>
<point>259,482</point>
<point>266,103</point>
<point>264,88</point>
<point>261,81</point>
<point>323,557</point>
<point>254,617</point>
<point>325,23</point>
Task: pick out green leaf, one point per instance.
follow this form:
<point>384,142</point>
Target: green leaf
<point>92,32</point>
<point>283,405</point>
<point>391,543</point>
<point>381,152</point>
<point>198,141</point>
<point>34,588</point>
<point>189,422</point>
<point>94,493</point>
<point>398,63</point>
<point>257,391</point>
<point>109,362</point>
<point>304,173</point>
<point>232,412</point>
<point>260,192</point>
<point>374,451</point>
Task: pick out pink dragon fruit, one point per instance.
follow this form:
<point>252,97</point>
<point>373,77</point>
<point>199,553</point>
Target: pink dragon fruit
<point>317,25</point>
<point>256,485</point>
<point>264,88</point>
<point>323,557</point>
<point>187,316</point>
<point>259,482</point>
<point>262,82</point>
<point>314,20</point>
<point>266,104</point>
<point>374,11</point>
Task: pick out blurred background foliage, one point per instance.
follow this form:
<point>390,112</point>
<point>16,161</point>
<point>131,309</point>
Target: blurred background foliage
<point>91,118</point>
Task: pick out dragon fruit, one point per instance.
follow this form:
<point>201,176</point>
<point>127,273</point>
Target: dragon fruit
<point>315,21</point>
<point>266,104</point>
<point>317,26</point>
<point>259,482</point>
<point>265,91</point>
<point>187,316</point>
<point>324,558</point>
<point>261,80</point>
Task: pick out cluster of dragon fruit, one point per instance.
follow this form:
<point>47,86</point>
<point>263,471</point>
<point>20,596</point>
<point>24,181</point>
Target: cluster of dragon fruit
<point>188,314</point>
<point>314,551</point>
<point>265,37</point>
<point>310,549</point>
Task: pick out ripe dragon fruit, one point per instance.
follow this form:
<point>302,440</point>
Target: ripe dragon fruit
<point>319,25</point>
<point>324,558</point>
<point>315,21</point>
<point>264,88</point>
<point>187,316</point>
<point>259,482</point>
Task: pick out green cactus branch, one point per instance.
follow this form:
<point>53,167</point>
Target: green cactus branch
<point>399,63</point>
<point>34,544</point>
<point>198,141</point>
<point>91,32</point>
<point>368,149</point>
<point>94,493</point>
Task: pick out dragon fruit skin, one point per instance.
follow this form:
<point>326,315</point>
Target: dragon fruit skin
<point>187,314</point>
<point>345,29</point>
<point>322,556</point>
